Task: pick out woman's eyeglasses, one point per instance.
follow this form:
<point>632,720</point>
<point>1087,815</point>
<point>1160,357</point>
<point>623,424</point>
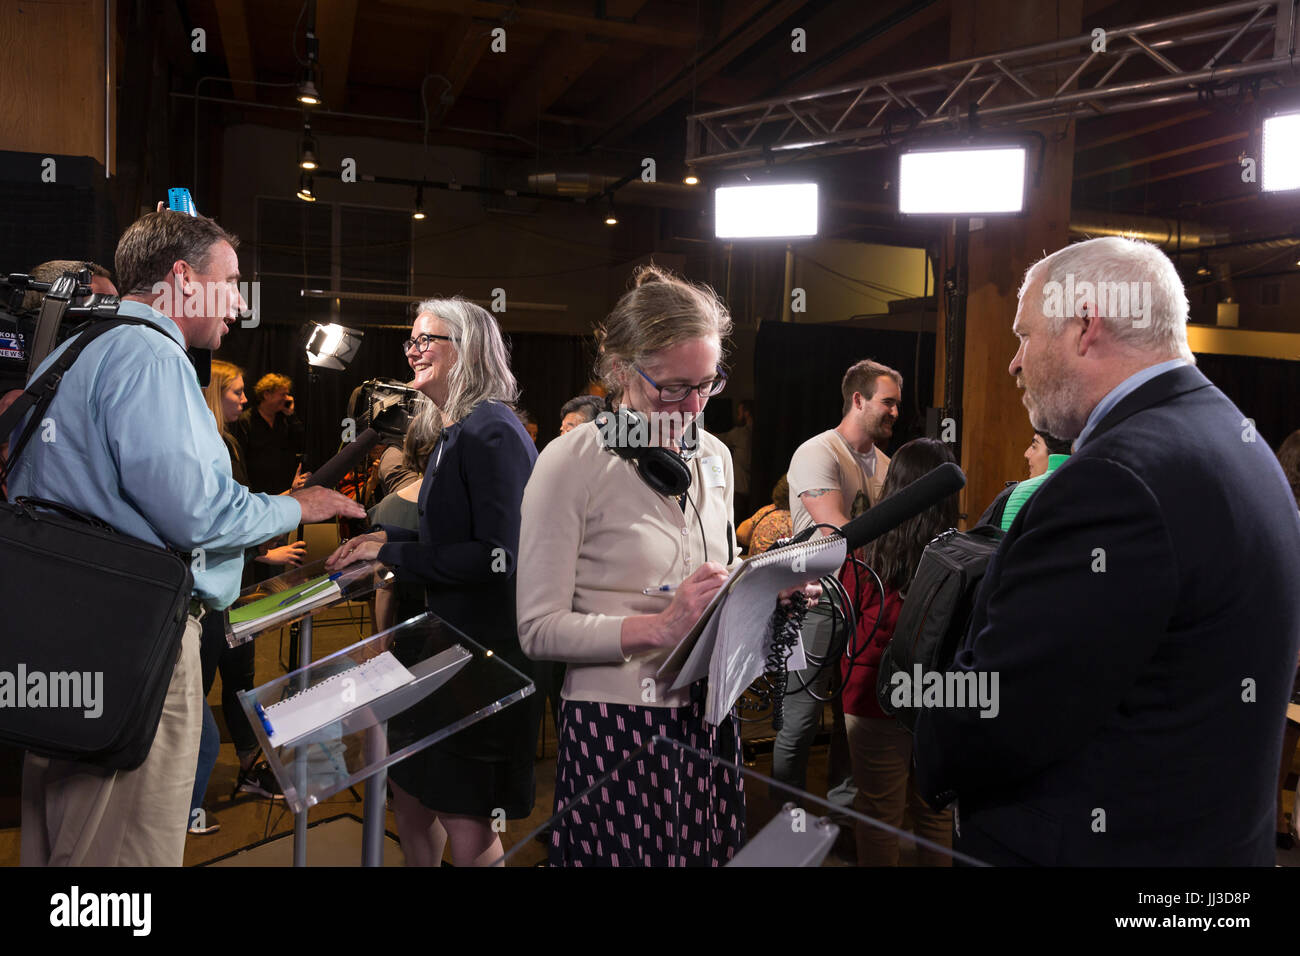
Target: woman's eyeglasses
<point>679,393</point>
<point>422,343</point>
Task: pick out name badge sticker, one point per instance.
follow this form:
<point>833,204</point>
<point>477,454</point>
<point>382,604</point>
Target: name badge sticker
<point>714,477</point>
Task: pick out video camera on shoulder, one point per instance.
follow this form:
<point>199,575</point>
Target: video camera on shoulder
<point>387,406</point>
<point>28,335</point>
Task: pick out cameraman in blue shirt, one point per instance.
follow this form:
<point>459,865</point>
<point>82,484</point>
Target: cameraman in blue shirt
<point>133,444</point>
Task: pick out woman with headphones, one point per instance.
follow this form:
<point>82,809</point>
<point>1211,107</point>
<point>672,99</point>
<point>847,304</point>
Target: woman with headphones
<point>625,538</point>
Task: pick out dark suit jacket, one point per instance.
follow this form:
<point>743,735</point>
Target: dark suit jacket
<point>468,509</point>
<point>1141,706</point>
<point>270,454</point>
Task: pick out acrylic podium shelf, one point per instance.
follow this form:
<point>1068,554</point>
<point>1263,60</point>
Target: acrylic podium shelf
<point>356,583</point>
<point>801,833</point>
<point>451,683</point>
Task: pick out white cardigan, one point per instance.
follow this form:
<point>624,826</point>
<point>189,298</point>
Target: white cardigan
<point>593,537</point>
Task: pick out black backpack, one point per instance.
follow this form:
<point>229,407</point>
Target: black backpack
<point>937,611</point>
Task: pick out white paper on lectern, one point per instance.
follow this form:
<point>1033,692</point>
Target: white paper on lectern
<point>327,701</point>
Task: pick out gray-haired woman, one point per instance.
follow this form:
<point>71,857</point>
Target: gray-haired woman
<point>469,521</point>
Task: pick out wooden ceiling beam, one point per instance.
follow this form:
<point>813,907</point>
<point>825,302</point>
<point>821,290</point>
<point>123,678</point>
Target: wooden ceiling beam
<point>239,50</point>
<point>648,95</point>
<point>335,26</point>
<point>465,44</point>
<point>564,59</point>
<point>564,16</point>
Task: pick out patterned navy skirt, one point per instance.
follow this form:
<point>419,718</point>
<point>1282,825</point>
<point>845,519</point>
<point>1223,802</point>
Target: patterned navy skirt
<point>667,807</point>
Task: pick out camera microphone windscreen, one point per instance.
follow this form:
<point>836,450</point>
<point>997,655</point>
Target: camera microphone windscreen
<point>331,473</point>
<point>927,491</point>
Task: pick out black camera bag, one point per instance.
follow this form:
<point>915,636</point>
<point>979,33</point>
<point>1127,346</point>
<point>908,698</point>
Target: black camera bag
<point>84,599</point>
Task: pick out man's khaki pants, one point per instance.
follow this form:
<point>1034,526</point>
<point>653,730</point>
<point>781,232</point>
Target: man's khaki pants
<point>75,814</point>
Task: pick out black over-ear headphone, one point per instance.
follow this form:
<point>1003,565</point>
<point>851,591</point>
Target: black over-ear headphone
<point>662,469</point>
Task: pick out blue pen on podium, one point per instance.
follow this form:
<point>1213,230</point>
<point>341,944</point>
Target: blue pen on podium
<point>266,724</point>
<point>315,589</point>
<point>661,589</point>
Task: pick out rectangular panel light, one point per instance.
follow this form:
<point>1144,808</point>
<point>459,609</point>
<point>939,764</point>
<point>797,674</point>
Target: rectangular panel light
<point>1281,159</point>
<point>961,182</point>
<point>765,212</point>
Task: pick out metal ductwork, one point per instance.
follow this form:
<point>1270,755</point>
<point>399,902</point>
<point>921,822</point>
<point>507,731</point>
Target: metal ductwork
<point>574,184</point>
<point>1166,233</point>
<point>1172,235</point>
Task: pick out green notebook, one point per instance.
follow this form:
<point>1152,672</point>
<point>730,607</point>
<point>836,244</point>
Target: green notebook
<point>280,600</point>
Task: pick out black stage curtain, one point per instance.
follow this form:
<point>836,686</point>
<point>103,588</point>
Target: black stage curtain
<point>550,368</point>
<point>1265,389</point>
<point>799,369</point>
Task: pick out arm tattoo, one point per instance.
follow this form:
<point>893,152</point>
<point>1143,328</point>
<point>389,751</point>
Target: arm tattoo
<point>816,492</point>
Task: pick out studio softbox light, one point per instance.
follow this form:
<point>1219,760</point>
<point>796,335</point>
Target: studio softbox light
<point>1281,153</point>
<point>975,181</point>
<point>767,211</point>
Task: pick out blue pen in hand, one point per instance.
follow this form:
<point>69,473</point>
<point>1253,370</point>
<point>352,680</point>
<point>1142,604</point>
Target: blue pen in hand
<point>661,589</point>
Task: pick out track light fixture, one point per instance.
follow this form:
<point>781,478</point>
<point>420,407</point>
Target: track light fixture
<point>307,94</point>
<point>307,154</point>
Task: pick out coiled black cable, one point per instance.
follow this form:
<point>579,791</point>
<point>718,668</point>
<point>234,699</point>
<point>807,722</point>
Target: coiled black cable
<point>787,621</point>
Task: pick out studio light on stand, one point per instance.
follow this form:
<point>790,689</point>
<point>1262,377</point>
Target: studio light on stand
<point>765,211</point>
<point>979,181</point>
<point>329,345</point>
<point>1280,159</point>
<point>967,180</point>
<point>332,345</point>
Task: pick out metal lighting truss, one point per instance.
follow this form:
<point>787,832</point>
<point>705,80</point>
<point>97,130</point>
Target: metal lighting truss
<point>1258,37</point>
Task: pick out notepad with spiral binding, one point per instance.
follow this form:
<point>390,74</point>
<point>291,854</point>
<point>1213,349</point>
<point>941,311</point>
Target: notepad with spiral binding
<point>729,642</point>
<point>327,701</point>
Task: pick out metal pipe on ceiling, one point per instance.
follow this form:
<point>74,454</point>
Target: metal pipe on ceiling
<point>411,299</point>
<point>1182,235</point>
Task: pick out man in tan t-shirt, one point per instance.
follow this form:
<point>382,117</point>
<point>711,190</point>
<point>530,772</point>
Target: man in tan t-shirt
<point>834,476</point>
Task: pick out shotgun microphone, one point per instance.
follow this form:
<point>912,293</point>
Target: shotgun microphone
<point>331,473</point>
<point>927,491</point>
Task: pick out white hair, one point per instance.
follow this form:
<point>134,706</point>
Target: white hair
<point>482,370</point>
<point>1119,262</point>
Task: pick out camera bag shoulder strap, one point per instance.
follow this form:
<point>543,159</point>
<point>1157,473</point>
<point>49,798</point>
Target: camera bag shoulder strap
<point>40,393</point>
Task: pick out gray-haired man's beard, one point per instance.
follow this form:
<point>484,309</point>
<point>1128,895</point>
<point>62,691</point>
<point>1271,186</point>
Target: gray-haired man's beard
<point>1057,413</point>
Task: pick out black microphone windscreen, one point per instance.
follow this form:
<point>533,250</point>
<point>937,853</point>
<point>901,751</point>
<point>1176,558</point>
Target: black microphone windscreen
<point>928,490</point>
<point>331,473</point>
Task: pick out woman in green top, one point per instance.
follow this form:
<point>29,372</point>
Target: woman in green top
<point>1045,454</point>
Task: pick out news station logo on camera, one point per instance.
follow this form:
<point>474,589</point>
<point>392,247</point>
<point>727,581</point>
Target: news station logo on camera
<point>12,347</point>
